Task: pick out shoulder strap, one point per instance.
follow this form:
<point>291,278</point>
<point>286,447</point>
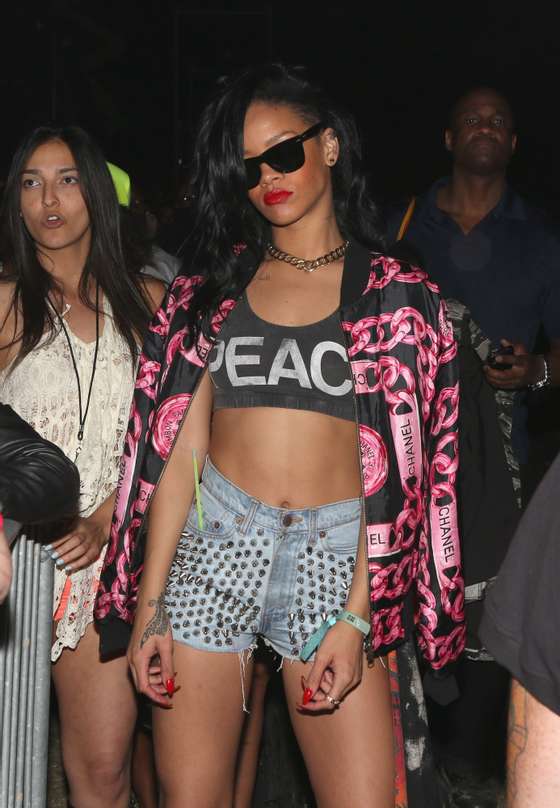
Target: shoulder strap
<point>406,218</point>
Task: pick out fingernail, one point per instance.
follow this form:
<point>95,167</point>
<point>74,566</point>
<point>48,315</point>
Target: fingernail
<point>170,686</point>
<point>307,695</point>
<point>60,562</point>
<point>1,520</point>
<point>68,568</point>
<point>54,555</point>
<point>47,547</point>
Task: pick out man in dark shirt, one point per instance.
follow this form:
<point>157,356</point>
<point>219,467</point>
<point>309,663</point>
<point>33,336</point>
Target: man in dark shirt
<point>521,627</point>
<point>485,246</point>
<point>489,250</point>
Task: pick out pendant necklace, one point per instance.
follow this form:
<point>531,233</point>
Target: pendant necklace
<point>82,413</point>
<point>308,265</point>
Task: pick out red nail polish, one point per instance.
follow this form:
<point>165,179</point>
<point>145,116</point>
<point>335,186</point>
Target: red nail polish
<point>170,686</point>
<point>307,695</point>
<point>1,520</point>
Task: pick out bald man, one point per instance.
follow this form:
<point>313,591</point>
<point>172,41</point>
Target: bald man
<point>497,262</point>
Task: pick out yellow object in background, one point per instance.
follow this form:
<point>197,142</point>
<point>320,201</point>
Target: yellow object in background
<point>121,181</point>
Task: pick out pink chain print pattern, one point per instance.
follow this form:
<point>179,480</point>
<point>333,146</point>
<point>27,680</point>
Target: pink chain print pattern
<point>148,375</point>
<point>375,464</point>
<point>418,415</point>
<point>166,423</point>
<point>180,296</point>
<point>162,424</point>
<point>385,269</point>
<point>401,351</point>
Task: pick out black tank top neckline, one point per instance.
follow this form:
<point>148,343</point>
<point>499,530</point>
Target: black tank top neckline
<point>256,363</point>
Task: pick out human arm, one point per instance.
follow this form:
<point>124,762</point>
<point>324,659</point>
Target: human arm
<point>533,740</point>
<point>82,545</point>
<point>520,629</point>
<point>155,291</point>
<point>9,338</point>
<point>524,368</point>
<point>5,563</point>
<point>151,634</point>
<point>543,278</point>
<point>337,667</point>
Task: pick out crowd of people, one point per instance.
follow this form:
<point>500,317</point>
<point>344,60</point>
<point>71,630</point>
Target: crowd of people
<point>303,440</point>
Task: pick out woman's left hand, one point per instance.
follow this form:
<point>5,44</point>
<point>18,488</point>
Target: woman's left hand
<point>81,546</point>
<point>337,668</point>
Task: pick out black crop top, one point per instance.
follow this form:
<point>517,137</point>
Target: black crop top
<point>259,364</point>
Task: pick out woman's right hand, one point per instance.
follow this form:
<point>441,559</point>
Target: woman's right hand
<point>150,652</point>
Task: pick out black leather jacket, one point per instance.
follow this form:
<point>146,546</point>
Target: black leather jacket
<point>38,483</point>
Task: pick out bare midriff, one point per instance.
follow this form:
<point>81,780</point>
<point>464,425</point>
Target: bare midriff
<point>287,458</point>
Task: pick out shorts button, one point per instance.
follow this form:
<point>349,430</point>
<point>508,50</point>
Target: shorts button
<point>322,534</point>
<point>287,520</point>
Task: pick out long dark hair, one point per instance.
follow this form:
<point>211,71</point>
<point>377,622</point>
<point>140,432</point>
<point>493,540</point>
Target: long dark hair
<point>223,213</point>
<point>107,262</point>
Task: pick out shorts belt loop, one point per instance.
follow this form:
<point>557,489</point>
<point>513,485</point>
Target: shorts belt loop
<point>312,525</point>
<point>249,516</point>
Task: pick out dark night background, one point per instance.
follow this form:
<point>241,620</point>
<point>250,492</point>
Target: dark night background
<point>136,73</point>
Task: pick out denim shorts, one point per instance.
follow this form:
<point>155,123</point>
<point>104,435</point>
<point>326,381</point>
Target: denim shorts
<point>257,570</point>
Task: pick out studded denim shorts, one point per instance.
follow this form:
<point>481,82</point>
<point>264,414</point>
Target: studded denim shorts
<point>257,570</point>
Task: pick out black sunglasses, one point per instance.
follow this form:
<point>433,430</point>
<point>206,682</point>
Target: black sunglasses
<point>287,156</point>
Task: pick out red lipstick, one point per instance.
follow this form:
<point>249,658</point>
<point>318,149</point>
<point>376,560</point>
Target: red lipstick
<point>276,197</point>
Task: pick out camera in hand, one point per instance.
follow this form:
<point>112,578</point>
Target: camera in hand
<point>494,353</point>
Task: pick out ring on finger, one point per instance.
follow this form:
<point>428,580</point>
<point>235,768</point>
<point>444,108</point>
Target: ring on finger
<point>334,702</point>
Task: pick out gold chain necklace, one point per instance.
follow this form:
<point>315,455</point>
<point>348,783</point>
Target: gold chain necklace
<point>308,265</point>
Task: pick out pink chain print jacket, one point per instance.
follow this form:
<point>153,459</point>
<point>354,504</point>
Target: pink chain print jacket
<point>403,359</point>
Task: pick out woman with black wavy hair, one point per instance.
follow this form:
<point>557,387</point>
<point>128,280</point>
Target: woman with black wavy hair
<point>314,380</point>
<point>72,312</point>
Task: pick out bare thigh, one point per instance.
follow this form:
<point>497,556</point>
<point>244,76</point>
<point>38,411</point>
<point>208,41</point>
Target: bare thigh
<point>97,707</point>
<point>248,755</point>
<point>348,752</point>
<point>196,741</point>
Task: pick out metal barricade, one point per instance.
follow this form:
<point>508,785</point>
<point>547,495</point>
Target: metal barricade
<point>25,670</point>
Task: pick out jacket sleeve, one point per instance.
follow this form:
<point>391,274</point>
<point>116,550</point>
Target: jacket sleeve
<point>38,483</point>
<point>147,443</point>
<point>439,582</point>
<point>115,585</point>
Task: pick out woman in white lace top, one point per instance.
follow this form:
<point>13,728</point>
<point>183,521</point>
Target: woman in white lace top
<point>72,312</point>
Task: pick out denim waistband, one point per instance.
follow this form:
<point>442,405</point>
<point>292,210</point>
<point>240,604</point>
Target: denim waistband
<point>252,509</point>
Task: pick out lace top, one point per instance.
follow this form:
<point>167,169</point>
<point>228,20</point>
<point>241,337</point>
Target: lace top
<point>43,390</point>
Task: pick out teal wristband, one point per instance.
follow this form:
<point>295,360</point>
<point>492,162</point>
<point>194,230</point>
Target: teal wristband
<point>318,636</point>
<point>353,620</point>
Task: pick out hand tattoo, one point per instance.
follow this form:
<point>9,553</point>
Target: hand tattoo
<point>159,624</point>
